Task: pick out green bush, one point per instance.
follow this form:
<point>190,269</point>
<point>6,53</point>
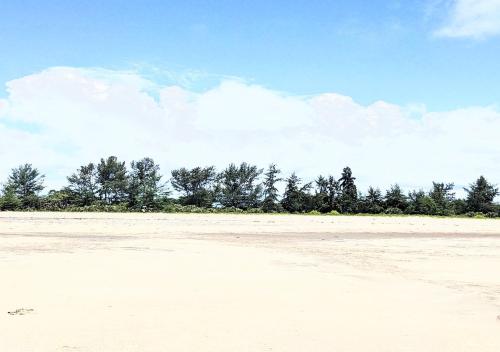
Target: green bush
<point>10,201</point>
<point>313,212</point>
<point>333,213</point>
<point>255,211</point>
<point>393,211</point>
<point>475,215</point>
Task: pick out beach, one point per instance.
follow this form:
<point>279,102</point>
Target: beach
<point>216,282</point>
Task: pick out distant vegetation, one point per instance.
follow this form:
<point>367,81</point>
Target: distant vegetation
<point>110,186</point>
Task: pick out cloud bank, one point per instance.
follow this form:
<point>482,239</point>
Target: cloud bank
<point>63,117</point>
<point>472,19</point>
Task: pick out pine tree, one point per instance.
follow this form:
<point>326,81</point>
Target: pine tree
<point>238,187</point>
<point>112,180</point>
<point>26,182</point>
<point>196,185</point>
<point>443,196</point>
<point>296,197</point>
<point>83,185</point>
<point>270,192</point>
<point>145,189</point>
<point>480,196</point>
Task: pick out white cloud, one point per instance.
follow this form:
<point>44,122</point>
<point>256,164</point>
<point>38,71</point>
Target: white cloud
<point>82,115</point>
<point>472,19</point>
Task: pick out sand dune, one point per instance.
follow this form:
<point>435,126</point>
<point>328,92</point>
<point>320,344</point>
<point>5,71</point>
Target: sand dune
<point>157,282</point>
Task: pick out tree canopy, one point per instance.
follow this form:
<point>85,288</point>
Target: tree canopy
<point>25,183</point>
<point>110,186</point>
<point>480,196</point>
<point>238,187</point>
<point>195,185</point>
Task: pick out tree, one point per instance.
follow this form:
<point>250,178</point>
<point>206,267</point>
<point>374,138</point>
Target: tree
<point>349,193</point>
<point>112,180</point>
<point>459,206</point>
<point>9,200</point>
<point>321,201</point>
<point>480,196</point>
<point>296,197</point>
<point>57,200</point>
<point>327,194</point>
<point>270,193</point>
<point>26,183</point>
<point>394,198</point>
<point>83,185</point>
<point>443,196</point>
<point>195,185</point>
<point>145,189</point>
<point>334,193</point>
<point>373,202</point>
<point>421,203</point>
<point>237,186</point>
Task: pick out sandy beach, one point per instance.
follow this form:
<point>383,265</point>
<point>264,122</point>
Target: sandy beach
<point>185,282</point>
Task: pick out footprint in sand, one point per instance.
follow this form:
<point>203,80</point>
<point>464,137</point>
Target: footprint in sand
<point>21,311</point>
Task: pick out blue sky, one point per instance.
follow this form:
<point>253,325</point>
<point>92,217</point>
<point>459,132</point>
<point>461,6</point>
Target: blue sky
<point>407,86</point>
<point>369,50</point>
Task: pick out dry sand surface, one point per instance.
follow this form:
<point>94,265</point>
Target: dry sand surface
<point>156,282</point>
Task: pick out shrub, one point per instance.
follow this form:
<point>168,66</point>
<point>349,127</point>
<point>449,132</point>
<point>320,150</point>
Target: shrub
<point>313,212</point>
<point>393,211</point>
<point>255,211</point>
<point>9,201</point>
<point>333,213</point>
<point>475,215</point>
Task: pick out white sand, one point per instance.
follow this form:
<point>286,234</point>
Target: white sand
<point>142,282</point>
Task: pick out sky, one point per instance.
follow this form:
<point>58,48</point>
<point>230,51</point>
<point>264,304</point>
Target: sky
<point>401,91</point>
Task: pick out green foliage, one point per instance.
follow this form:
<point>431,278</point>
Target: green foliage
<point>270,203</point>
<point>144,188</point>
<point>393,211</point>
<point>100,207</point>
<point>196,185</point>
<point>26,183</point>
<point>110,187</point>
<point>327,194</point>
<point>255,211</point>
<point>349,193</point>
<point>112,180</point>
<point>394,198</point>
<point>443,198</point>
<point>179,208</point>
<point>372,203</point>
<point>475,215</point>
<point>237,187</point>
<point>9,200</point>
<point>420,203</point>
<point>83,185</point>
<point>459,206</point>
<point>333,213</point>
<point>56,200</point>
<point>296,198</point>
<point>480,196</point>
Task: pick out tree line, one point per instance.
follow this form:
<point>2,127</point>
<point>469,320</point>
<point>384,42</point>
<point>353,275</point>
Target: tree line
<point>110,185</point>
